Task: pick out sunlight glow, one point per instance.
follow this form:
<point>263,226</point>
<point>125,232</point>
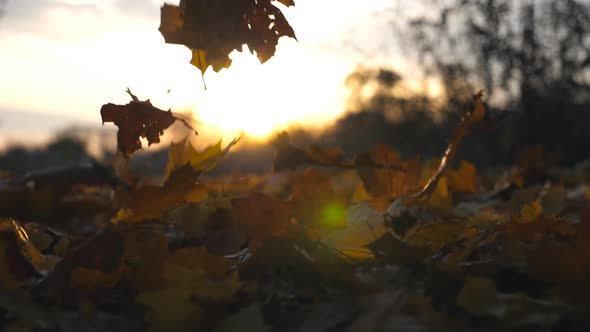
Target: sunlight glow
<point>259,99</point>
<point>71,59</point>
<point>294,87</point>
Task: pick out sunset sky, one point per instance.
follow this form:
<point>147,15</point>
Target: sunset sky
<point>65,58</point>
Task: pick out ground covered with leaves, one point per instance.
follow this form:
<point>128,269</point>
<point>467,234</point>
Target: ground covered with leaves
<point>325,243</point>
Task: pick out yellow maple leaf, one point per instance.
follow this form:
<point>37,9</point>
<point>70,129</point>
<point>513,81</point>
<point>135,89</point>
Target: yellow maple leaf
<point>183,153</point>
<point>189,274</point>
<point>441,197</point>
<point>199,59</point>
<point>464,179</point>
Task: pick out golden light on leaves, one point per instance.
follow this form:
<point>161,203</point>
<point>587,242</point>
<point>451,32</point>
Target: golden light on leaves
<point>183,153</point>
<point>196,250</point>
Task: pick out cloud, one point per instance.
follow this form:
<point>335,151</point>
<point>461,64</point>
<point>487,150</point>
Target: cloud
<point>2,4</point>
<point>72,20</point>
<point>140,8</point>
<point>51,19</point>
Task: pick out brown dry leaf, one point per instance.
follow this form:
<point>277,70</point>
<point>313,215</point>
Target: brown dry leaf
<point>191,276</point>
<point>435,236</point>
<point>238,183</point>
<point>532,162</point>
<point>325,156</point>
<point>99,256</point>
<point>262,217</point>
<point>199,259</point>
<point>287,2</point>
<point>288,156</point>
<point>133,254</point>
<point>363,226</point>
<point>146,250</point>
<point>539,227</point>
<point>91,280</point>
<point>152,202</point>
<point>385,184</point>
<point>212,30</point>
<point>464,179</point>
<point>137,119</point>
<point>567,263</point>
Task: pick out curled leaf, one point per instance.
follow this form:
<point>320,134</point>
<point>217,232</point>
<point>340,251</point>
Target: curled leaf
<point>467,121</point>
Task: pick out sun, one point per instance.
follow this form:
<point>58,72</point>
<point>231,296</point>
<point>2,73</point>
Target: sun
<point>300,85</point>
<point>293,87</point>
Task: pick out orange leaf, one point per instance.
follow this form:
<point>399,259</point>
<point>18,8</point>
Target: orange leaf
<point>385,184</point>
<point>464,179</point>
<point>262,216</point>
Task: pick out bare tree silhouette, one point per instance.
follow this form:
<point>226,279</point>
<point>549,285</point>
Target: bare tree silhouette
<point>513,48</point>
<point>532,56</point>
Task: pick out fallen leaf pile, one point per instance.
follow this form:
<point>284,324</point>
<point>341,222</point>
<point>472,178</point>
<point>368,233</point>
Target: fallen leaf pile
<point>375,242</point>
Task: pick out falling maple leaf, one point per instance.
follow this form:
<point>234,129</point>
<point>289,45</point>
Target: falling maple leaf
<point>213,29</point>
<point>138,119</point>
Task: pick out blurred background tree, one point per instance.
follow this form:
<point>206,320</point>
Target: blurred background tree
<point>531,57</point>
